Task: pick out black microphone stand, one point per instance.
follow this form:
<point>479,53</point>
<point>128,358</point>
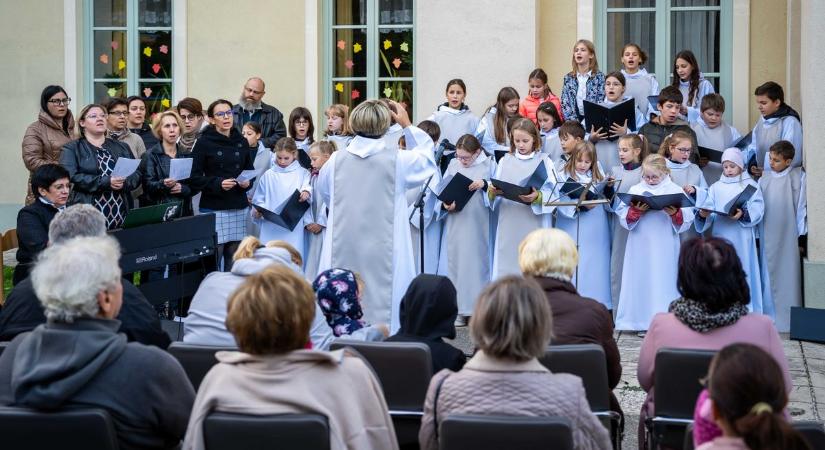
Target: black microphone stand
<point>419,202</point>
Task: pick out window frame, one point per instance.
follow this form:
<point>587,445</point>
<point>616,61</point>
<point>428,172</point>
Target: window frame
<point>664,58</point>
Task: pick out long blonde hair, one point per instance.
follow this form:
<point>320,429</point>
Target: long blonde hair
<point>584,148</point>
<point>246,249</point>
<point>594,63</point>
<point>655,162</point>
<point>341,111</point>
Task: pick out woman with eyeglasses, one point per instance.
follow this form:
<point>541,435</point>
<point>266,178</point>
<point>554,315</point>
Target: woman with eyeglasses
<point>45,138</point>
<point>91,161</point>
<point>191,113</point>
<point>220,155</point>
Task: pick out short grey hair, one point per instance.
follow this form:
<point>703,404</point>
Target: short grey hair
<point>67,277</point>
<point>370,118</point>
<point>77,221</point>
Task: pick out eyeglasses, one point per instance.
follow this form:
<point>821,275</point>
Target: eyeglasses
<point>301,122</point>
<point>60,101</point>
<point>465,158</point>
<point>683,149</point>
<point>189,117</point>
<point>223,114</point>
<point>96,116</point>
<point>119,113</point>
<point>651,177</point>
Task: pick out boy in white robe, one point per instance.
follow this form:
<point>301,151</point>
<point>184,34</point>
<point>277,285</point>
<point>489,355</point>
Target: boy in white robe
<point>712,132</point>
<point>779,122</point>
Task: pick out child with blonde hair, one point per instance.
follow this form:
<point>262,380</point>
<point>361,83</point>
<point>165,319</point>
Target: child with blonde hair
<point>338,129</point>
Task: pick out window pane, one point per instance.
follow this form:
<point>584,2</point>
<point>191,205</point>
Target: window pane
<point>349,93</point>
<point>155,54</point>
<point>110,13</point>
<point>624,28</point>
<point>392,12</point>
<point>631,3</point>
<point>349,12</point>
<point>695,3</point>
<point>155,13</point>
<point>157,96</point>
<point>110,54</point>
<point>108,89</point>
<point>400,91</point>
<point>395,53</point>
<point>350,53</point>
<point>697,31</point>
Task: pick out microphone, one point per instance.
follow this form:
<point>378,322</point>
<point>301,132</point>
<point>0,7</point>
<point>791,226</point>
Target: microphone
<point>444,145</point>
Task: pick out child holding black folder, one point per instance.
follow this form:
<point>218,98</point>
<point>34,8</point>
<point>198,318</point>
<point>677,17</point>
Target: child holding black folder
<point>677,148</point>
<point>652,254</point>
<point>605,140</point>
<point>778,122</point>
<point>587,225</point>
<point>712,132</point>
<point>736,226</point>
<point>518,218</point>
<point>276,186</point>
<point>465,245</point>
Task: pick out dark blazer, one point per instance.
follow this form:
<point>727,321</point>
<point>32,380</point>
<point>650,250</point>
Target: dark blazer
<point>271,121</point>
<point>145,133</point>
<point>138,320</point>
<point>155,168</point>
<point>79,157</point>
<point>32,235</point>
<point>216,158</point>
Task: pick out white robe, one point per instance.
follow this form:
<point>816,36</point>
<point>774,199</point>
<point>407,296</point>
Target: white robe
<point>486,134</point>
<point>719,138</point>
<point>705,87</point>
<point>640,86</point>
<point>651,259</point>
<point>688,173</point>
<point>740,232</point>
<point>275,187</point>
<point>454,123</point>
<point>550,144</point>
<point>341,141</point>
<point>629,178</point>
<point>432,228</point>
<point>262,163</point>
<point>413,167</point>
<point>318,214</point>
<point>767,132</point>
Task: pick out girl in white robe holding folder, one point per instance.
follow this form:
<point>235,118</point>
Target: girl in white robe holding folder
<point>319,154</point>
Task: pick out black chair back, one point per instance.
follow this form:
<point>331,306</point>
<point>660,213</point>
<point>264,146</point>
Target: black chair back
<point>813,432</point>
<point>587,361</point>
<point>75,429</point>
<point>196,359</point>
<point>225,431</point>
<point>459,432</point>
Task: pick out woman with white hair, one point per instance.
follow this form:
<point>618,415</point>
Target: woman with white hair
<point>365,188</point>
<point>78,359</point>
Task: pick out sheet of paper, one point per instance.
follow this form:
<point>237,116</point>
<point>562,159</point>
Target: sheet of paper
<point>125,167</point>
<point>180,168</point>
<point>246,175</point>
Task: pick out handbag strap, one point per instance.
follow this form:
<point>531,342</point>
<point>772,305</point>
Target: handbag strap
<point>435,404</point>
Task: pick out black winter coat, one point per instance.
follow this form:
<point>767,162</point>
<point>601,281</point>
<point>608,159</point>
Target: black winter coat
<point>79,157</point>
<point>32,235</point>
<point>155,168</point>
<point>271,121</point>
<point>216,158</point>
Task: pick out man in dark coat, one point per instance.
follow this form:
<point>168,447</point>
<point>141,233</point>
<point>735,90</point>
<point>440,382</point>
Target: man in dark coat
<point>250,108</point>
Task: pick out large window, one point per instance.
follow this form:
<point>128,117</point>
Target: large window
<point>663,28</point>
<point>130,50</point>
<point>369,51</point>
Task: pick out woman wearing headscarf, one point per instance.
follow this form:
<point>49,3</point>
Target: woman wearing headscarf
<point>338,294</point>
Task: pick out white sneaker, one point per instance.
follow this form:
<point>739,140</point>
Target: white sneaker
<point>461,321</point>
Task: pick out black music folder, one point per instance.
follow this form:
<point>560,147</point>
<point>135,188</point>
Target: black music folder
<point>303,159</point>
<point>500,154</point>
<point>654,102</point>
<point>711,154</point>
<point>658,202</point>
<point>291,212</point>
<point>574,190</point>
<point>598,116</point>
<point>534,181</point>
<point>455,188</point>
<point>743,142</point>
<point>738,202</point>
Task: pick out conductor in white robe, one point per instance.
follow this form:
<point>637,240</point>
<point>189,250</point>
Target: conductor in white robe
<point>365,188</point>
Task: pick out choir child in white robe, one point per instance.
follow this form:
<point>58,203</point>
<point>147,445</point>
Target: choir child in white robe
<point>549,121</point>
<point>588,226</point>
<point>517,219</point>
<point>677,147</point>
<point>691,82</point>
<point>319,154</point>
<point>784,221</point>
<point>605,140</point>
<point>262,162</point>
<point>301,128</point>
<point>364,187</point>
<point>640,83</point>
<point>712,132</point>
<point>652,254</point>
<point>779,122</point>
<point>275,187</point>
<point>453,117</point>
<point>492,129</point>
<point>632,151</point>
<point>432,227</point>
<point>740,227</point>
<point>338,131</point>
<point>465,246</point>
<point>571,134</point>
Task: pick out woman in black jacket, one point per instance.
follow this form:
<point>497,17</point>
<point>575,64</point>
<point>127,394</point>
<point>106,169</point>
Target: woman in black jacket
<point>91,160</point>
<point>220,155</point>
<point>50,186</point>
<point>158,188</point>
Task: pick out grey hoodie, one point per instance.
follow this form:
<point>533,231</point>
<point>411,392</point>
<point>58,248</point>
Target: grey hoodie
<point>88,363</point>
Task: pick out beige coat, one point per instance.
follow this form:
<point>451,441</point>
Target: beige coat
<point>43,143</point>
<point>335,384</point>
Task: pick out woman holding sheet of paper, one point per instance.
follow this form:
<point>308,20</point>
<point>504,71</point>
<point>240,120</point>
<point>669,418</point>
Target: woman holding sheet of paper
<point>162,184</point>
<point>97,177</point>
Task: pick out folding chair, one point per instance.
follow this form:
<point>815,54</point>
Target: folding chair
<point>226,431</point>
<point>813,432</point>
<point>74,429</point>
<point>196,359</point>
<point>458,432</point>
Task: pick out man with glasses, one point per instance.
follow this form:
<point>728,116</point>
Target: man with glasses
<point>250,108</point>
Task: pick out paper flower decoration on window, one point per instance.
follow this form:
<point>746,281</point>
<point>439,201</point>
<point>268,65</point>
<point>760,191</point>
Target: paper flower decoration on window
<point>405,47</point>
<point>349,64</point>
<point>147,51</point>
<point>112,92</point>
<point>387,91</point>
<point>339,87</point>
<point>387,44</point>
<point>121,65</point>
<point>356,47</point>
<point>147,92</point>
<point>342,44</point>
<point>355,94</point>
<point>165,103</point>
<point>104,58</point>
<point>396,62</point>
<point>164,49</point>
<point>115,45</point>
<point>156,68</point>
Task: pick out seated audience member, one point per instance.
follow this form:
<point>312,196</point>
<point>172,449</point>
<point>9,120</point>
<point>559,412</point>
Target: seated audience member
<point>428,312</point>
<point>711,314</point>
<point>273,373</point>
<point>50,185</point>
<point>23,311</point>
<point>748,394</point>
<point>549,256</point>
<point>338,293</point>
<point>512,325</point>
<point>78,359</point>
